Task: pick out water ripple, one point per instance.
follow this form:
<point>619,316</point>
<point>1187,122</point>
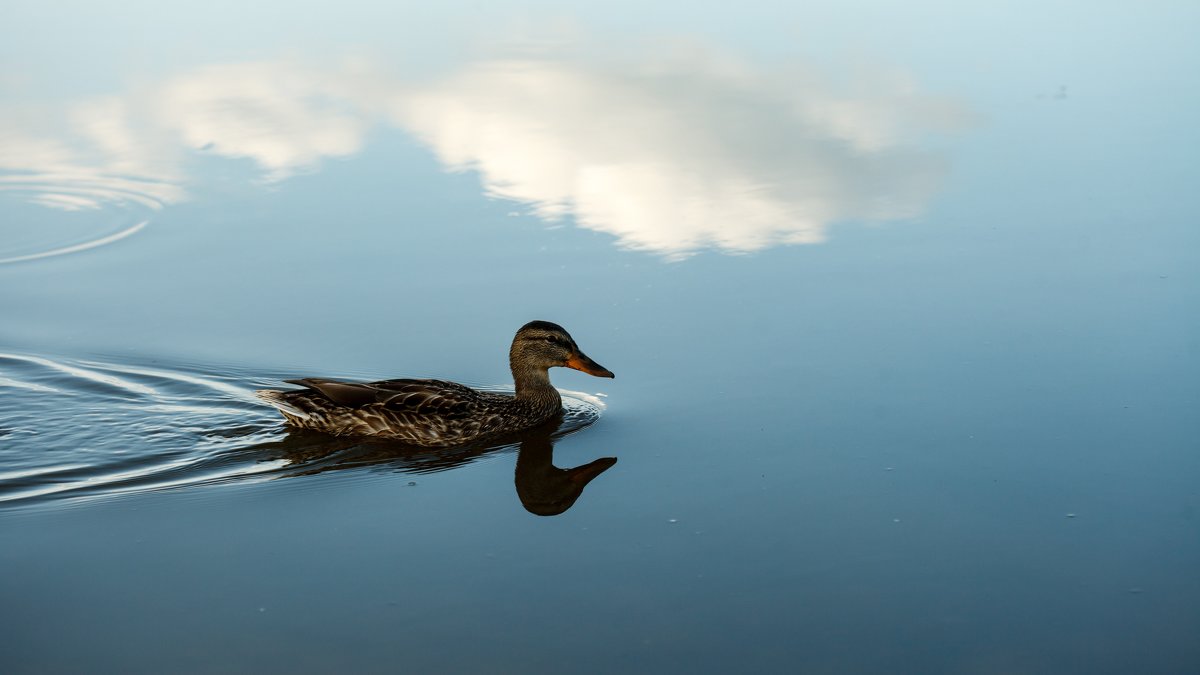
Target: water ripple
<point>60,223</point>
<point>75,248</point>
<point>78,429</point>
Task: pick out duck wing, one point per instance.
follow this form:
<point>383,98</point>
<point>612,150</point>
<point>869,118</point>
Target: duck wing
<point>349,394</point>
<point>430,413</point>
<point>427,397</point>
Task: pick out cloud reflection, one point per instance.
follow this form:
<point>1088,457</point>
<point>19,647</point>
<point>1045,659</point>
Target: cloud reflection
<point>671,156</point>
<point>100,159</point>
<point>674,157</point>
<point>135,149</point>
<point>283,117</point>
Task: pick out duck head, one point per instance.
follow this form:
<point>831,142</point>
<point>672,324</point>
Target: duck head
<point>541,345</point>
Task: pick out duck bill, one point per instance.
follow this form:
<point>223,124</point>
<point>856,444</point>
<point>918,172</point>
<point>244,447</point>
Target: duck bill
<point>580,361</point>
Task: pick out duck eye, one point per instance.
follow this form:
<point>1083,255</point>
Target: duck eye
<point>551,339</point>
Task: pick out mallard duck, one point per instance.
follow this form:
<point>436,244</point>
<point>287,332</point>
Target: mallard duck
<point>436,413</point>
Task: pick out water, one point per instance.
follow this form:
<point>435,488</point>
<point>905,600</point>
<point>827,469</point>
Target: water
<point>90,429</point>
<point>901,306</point>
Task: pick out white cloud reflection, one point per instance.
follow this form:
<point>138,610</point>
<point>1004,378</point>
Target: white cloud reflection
<point>672,156</point>
<point>676,156</point>
<point>284,117</point>
<point>99,159</point>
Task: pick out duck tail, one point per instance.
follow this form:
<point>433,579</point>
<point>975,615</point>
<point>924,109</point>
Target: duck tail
<point>279,401</point>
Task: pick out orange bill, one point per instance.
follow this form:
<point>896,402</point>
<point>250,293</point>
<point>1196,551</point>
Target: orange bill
<point>580,361</point>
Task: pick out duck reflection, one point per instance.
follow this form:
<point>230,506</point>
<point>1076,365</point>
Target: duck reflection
<point>543,488</point>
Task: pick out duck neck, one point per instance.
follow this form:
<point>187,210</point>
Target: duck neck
<point>533,384</point>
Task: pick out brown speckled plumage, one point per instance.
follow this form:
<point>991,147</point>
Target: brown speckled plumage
<point>436,413</point>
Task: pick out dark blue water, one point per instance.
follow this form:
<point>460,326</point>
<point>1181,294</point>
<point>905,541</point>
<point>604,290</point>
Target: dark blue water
<point>902,305</point>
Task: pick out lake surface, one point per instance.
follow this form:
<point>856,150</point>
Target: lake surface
<point>902,303</point>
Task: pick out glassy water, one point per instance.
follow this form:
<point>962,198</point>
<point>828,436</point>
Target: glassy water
<point>901,303</point>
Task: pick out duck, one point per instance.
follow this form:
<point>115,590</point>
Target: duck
<point>437,413</point>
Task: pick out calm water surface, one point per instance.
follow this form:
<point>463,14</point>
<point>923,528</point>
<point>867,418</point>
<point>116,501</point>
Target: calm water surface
<point>902,303</point>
